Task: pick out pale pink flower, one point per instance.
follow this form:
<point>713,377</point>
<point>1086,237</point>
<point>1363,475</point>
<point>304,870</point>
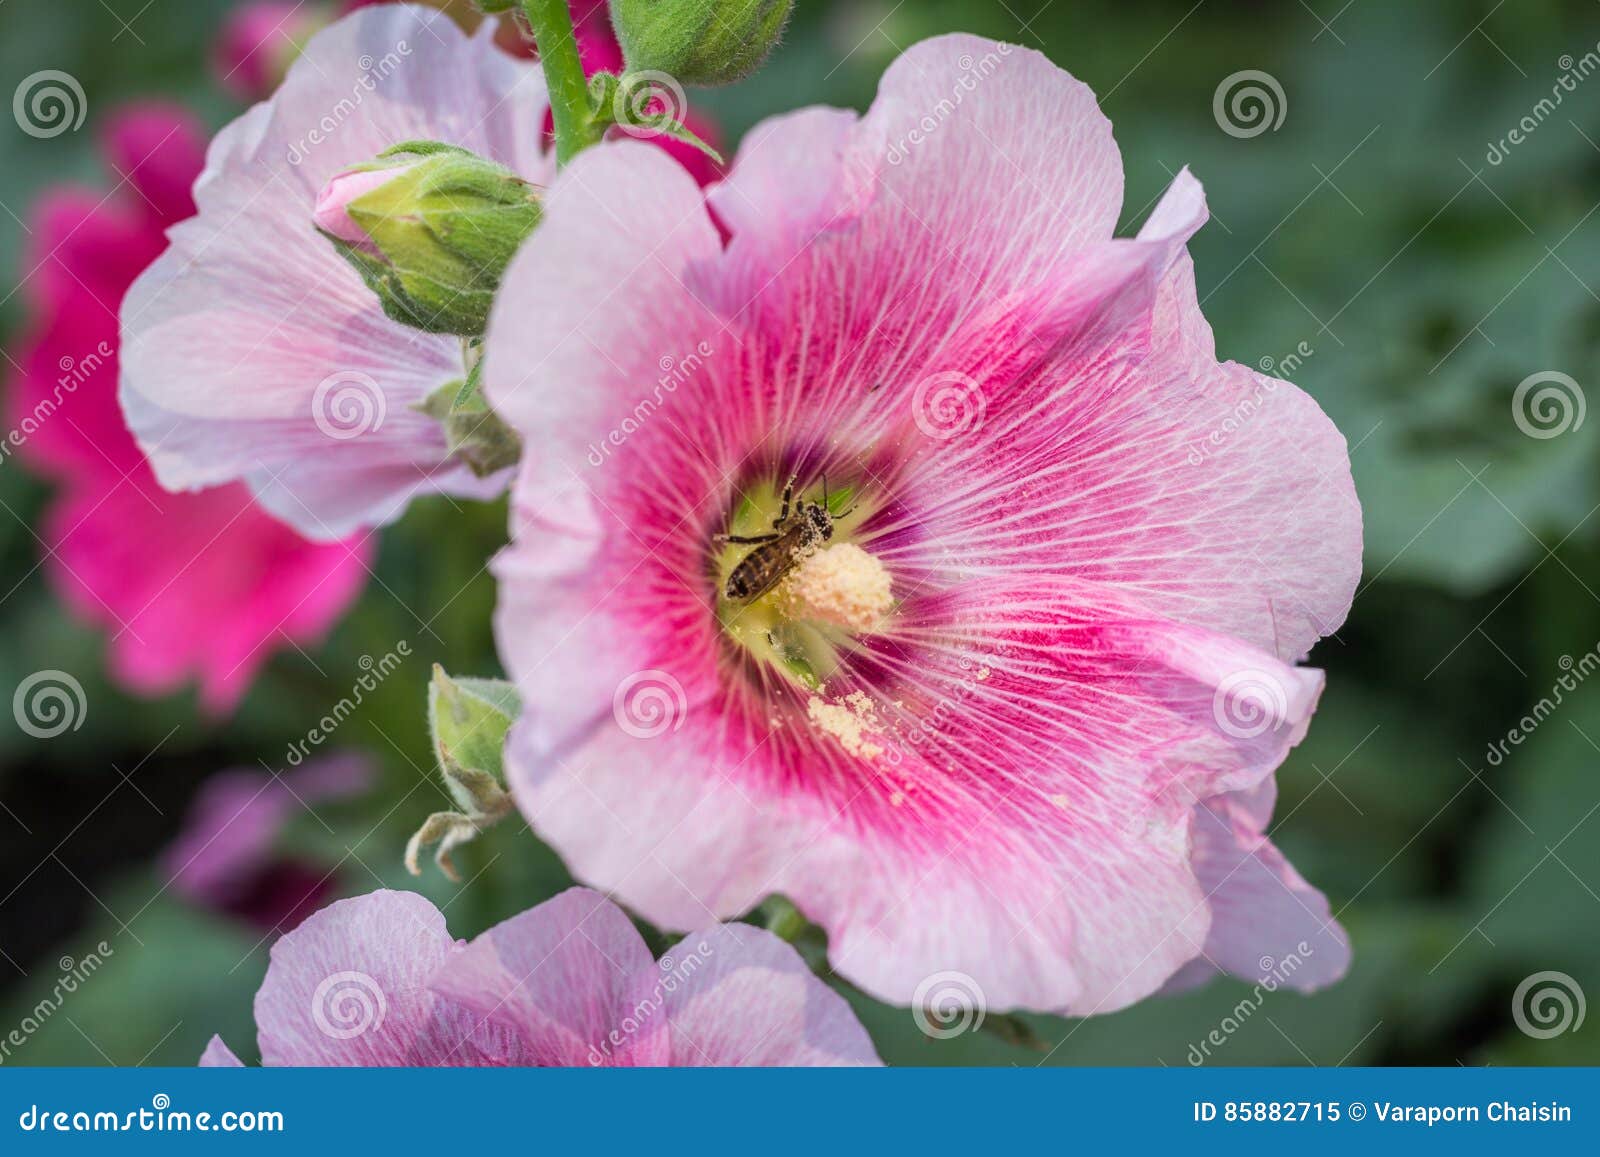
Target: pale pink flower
<point>378,981</point>
<point>251,350</point>
<point>1041,754</point>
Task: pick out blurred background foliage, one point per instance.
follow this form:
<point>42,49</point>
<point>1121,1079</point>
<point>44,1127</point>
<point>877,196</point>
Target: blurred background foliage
<point>1369,229</point>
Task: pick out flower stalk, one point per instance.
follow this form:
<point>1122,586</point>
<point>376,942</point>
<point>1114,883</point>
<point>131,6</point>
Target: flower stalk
<point>576,125</point>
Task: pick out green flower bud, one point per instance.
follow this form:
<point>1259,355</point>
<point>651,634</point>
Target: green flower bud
<point>430,228</point>
<point>704,42</point>
<point>468,719</point>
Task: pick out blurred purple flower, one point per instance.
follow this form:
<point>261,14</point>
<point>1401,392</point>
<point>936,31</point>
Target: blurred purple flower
<point>228,858</point>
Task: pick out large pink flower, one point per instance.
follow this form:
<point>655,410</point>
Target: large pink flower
<point>1018,717</point>
<point>378,981</point>
<point>198,585</point>
<point>253,351</point>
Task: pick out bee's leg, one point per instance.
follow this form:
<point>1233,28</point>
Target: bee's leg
<point>743,539</point>
<point>788,494</point>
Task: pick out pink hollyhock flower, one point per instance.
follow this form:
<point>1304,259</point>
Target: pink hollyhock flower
<point>378,981</point>
<point>253,350</point>
<point>1015,707</point>
<point>259,41</point>
<point>122,551</point>
<point>227,858</point>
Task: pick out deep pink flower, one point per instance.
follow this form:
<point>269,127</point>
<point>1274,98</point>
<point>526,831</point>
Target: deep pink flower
<point>253,350</point>
<point>378,981</point>
<point>199,585</point>
<point>228,857</point>
<point>259,41</point>
<point>1019,718</point>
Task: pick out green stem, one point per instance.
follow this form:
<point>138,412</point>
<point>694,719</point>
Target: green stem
<point>576,130</point>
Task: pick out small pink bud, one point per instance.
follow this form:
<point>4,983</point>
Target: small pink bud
<point>332,212</point>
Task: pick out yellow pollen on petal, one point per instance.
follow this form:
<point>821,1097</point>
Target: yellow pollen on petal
<point>848,721</point>
<point>841,585</point>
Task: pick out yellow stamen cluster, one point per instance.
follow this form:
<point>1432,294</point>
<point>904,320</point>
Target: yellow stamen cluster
<point>841,585</point>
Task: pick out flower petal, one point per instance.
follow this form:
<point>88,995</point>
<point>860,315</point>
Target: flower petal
<point>750,1000</point>
<point>1129,456</point>
<point>562,977</point>
<point>979,165</point>
<point>219,1056</point>
<point>348,987</point>
<point>1267,921</point>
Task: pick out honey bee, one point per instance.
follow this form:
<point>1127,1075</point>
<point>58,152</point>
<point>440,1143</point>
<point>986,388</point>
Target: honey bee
<point>798,531</point>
